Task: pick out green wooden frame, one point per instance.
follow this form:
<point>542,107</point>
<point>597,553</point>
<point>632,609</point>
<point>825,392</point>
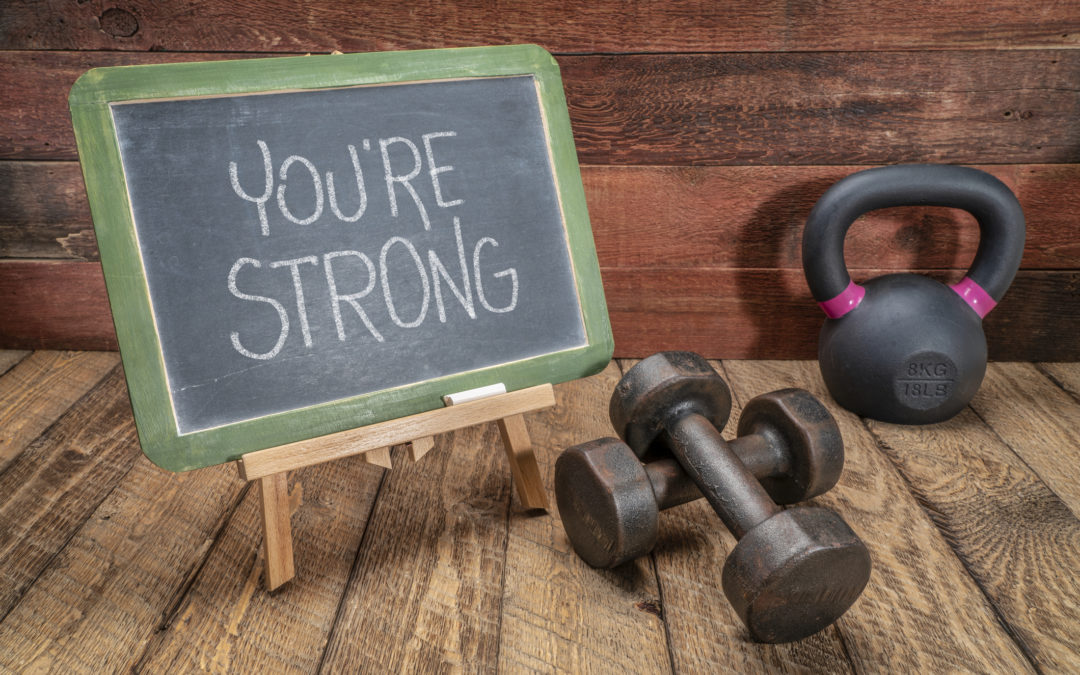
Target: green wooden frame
<point>125,277</point>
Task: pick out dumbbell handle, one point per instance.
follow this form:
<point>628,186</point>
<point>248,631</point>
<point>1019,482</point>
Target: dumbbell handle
<point>673,486</point>
<point>729,486</point>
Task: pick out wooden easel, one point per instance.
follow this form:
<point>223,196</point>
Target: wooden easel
<point>271,466</point>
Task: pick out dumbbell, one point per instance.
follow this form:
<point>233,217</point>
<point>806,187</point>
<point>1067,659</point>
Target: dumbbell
<point>802,462</point>
<point>793,572</point>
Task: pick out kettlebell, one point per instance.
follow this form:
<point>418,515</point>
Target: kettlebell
<point>904,348</point>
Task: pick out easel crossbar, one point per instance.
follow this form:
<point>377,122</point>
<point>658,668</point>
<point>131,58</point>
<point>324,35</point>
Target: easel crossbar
<point>393,432</point>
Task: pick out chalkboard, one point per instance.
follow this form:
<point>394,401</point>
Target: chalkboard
<point>298,246</point>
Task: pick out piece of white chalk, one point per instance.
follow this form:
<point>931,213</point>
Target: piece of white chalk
<point>474,394</point>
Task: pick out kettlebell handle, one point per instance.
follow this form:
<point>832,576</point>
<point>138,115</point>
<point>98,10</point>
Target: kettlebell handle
<point>1001,228</point>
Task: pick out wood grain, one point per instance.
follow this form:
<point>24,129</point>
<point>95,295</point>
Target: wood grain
<point>379,457</point>
<point>657,216</point>
<point>522,459</point>
<point>39,127</point>
<point>603,26</point>
<point>10,358</point>
<point>425,590</point>
<point>393,432</point>
<point>45,212</point>
<point>111,587</point>
<point>558,613</point>
<point>50,305</point>
<point>1039,421</point>
<point>704,632</point>
<point>721,313</point>
<point>825,108</point>
<point>918,586</point>
<point>769,313</point>
<point>974,554</point>
<point>1013,534</point>
<point>53,486</point>
<point>419,447</point>
<point>1064,375</point>
<point>277,530</point>
<point>753,217</point>
<point>41,388</point>
<point>718,109</point>
<point>226,622</point>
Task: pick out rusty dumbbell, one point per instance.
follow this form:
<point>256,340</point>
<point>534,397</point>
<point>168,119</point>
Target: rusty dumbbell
<point>793,571</point>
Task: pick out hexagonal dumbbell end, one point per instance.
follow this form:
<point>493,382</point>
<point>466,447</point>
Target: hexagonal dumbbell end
<point>606,502</point>
<point>794,431</point>
<point>658,385</point>
<point>795,574</point>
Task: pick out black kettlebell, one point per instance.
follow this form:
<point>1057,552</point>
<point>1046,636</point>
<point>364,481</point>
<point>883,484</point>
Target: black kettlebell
<point>902,347</point>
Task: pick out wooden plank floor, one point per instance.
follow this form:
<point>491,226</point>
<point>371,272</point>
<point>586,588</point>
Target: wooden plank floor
<point>108,563</point>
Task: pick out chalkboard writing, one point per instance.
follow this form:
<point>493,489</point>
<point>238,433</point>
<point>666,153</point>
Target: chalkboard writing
<point>301,249</point>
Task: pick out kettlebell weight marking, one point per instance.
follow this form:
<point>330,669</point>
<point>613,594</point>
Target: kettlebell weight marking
<point>926,389</point>
<point>848,300</point>
<point>974,295</point>
<point>925,381</point>
<point>928,372</point>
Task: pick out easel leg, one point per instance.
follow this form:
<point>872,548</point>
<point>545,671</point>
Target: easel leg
<point>518,446</point>
<point>277,531</point>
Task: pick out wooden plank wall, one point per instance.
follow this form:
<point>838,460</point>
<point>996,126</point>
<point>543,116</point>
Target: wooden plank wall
<point>706,132</point>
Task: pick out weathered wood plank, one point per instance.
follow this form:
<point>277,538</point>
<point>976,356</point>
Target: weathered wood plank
<point>753,217</point>
<point>227,622</point>
<point>108,590</point>
<point>39,126</point>
<point>606,26</point>
<point>656,216</point>
<point>918,587</point>
<point>103,582</point>
<point>825,108</point>
<point>1039,421</point>
<point>1065,375</point>
<point>769,313</point>
<point>721,313</point>
<point>41,388</point>
<point>54,485</point>
<point>1017,538</point>
<point>45,212</point>
<point>9,358</point>
<point>558,613</point>
<point>54,305</point>
<point>426,590</point>
<point>704,632</point>
<point>729,109</point>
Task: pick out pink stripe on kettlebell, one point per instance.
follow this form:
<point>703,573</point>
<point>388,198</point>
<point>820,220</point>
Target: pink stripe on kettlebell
<point>974,295</point>
<point>848,300</point>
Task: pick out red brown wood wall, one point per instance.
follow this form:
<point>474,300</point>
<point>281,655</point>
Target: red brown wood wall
<point>706,131</point>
